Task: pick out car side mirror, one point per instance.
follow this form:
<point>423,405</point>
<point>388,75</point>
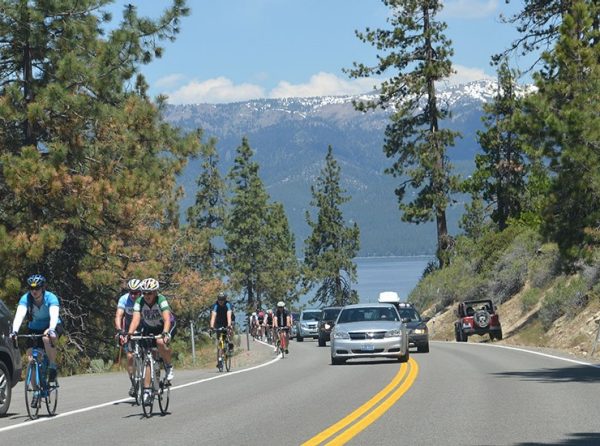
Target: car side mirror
<point>405,319</point>
<point>426,319</point>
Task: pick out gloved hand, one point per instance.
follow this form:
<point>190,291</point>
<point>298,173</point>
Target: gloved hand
<point>13,335</point>
<point>166,337</point>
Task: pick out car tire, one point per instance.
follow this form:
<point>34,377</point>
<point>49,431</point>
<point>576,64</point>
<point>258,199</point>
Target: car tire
<point>322,342</point>
<point>404,358</point>
<point>498,335</point>
<point>299,338</point>
<point>423,348</point>
<point>5,389</point>
<point>337,361</point>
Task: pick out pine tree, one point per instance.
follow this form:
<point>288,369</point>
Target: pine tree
<point>500,170</point>
<point>332,246</point>
<point>208,212</point>
<point>562,123</point>
<point>245,253</point>
<point>418,53</point>
<point>88,169</point>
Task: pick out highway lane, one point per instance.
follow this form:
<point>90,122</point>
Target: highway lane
<point>461,394</point>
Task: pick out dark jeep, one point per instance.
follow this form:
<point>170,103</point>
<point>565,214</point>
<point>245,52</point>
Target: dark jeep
<point>10,360</point>
<point>326,323</point>
<point>477,317</point>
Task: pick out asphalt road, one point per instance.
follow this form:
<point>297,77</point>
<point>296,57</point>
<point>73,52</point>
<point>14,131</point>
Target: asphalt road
<point>469,394</point>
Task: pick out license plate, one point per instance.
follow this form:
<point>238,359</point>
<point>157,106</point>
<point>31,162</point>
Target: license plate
<point>368,347</point>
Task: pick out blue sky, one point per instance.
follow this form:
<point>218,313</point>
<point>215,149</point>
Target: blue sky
<point>235,50</point>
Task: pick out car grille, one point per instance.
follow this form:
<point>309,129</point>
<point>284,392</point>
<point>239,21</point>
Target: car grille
<point>368,335</point>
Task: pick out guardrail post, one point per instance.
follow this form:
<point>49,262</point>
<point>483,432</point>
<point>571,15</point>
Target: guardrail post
<point>193,342</point>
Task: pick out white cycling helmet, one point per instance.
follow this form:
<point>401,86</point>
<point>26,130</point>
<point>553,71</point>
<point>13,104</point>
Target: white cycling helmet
<point>149,284</point>
<point>281,304</point>
<point>134,284</point>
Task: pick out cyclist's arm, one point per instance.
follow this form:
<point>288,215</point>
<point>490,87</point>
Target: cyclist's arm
<point>19,316</point>
<point>229,312</point>
<point>119,319</point>
<point>135,322</point>
<point>166,315</point>
<point>213,316</point>
<point>289,321</point>
<point>53,310</point>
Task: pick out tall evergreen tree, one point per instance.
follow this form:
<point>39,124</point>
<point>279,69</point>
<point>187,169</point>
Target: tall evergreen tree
<point>208,212</point>
<point>418,53</point>
<point>562,124</point>
<point>87,168</point>
<point>245,252</point>
<point>332,246</point>
<point>500,170</point>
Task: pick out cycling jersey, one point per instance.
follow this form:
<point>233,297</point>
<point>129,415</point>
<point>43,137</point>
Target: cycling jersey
<point>261,317</point>
<point>126,303</point>
<point>282,318</point>
<point>221,312</point>
<point>40,316</point>
<point>270,320</point>
<point>151,315</point>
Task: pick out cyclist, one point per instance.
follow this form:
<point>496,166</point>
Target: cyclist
<point>220,315</point>
<point>254,325</point>
<point>269,326</point>
<point>283,319</point>
<point>123,317</point>
<point>153,313</point>
<point>261,323</point>
<point>43,308</point>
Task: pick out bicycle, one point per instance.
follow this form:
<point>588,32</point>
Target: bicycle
<point>150,367</point>
<point>282,340</point>
<point>36,381</point>
<point>223,349</point>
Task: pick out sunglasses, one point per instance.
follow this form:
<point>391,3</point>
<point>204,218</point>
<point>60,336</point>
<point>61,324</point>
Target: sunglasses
<point>147,292</point>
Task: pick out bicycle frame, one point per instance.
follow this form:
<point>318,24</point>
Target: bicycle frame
<point>36,381</point>
<point>148,372</point>
<point>223,356</point>
<point>282,340</point>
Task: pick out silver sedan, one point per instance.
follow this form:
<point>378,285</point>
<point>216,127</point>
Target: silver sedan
<point>369,331</point>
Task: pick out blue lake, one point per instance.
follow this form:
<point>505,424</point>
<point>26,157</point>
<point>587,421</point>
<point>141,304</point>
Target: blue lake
<point>376,274</point>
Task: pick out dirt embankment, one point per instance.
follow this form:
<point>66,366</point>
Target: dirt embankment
<point>572,336</point>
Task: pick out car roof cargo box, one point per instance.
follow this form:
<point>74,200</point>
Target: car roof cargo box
<point>389,297</point>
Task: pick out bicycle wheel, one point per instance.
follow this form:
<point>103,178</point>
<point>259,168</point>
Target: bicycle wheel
<point>138,372</point>
<point>227,359</point>
<point>164,392</point>
<point>51,397</point>
<point>147,403</point>
<point>31,390</point>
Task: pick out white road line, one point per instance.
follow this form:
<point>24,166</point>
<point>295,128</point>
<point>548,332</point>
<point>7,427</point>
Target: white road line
<point>110,403</point>
<point>574,361</point>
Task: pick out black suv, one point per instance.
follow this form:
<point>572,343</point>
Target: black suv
<point>326,323</point>
<point>418,334</point>
<point>10,360</point>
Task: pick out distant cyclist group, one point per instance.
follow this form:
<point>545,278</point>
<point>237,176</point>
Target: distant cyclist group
<point>272,326</point>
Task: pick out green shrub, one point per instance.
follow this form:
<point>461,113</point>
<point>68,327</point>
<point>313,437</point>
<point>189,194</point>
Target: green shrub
<point>99,366</point>
<point>544,266</point>
<point>530,298</point>
<point>566,297</point>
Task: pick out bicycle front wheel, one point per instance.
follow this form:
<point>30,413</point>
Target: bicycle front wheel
<point>227,358</point>
<point>148,392</point>
<point>164,392</point>
<point>32,390</point>
<point>52,397</point>
<point>138,373</point>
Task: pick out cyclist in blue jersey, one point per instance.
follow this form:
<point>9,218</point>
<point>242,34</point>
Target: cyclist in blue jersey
<point>43,308</point>
<point>123,318</point>
<point>221,314</point>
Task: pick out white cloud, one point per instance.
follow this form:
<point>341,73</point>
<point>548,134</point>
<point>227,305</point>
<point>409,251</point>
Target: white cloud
<point>214,91</point>
<point>169,81</point>
<point>469,9</point>
<point>322,84</point>
<point>467,74</point>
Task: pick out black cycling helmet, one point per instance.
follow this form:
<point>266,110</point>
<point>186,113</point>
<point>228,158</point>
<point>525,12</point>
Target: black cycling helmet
<point>36,281</point>
<point>222,297</point>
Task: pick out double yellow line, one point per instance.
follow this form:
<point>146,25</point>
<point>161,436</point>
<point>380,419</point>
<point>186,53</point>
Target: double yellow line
<point>391,393</point>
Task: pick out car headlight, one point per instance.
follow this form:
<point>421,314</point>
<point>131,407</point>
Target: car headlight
<point>327,326</point>
<point>304,325</point>
<point>393,333</point>
<point>340,335</point>
<point>420,331</point>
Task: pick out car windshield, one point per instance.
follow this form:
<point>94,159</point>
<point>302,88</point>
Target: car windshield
<point>350,315</point>
<point>311,316</point>
<point>410,313</point>
<point>330,314</point>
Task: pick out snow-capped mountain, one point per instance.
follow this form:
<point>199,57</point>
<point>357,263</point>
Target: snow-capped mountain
<point>290,137</point>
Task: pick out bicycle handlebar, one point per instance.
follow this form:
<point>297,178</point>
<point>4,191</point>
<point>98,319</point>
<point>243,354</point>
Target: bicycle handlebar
<point>32,336</point>
<point>140,337</point>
